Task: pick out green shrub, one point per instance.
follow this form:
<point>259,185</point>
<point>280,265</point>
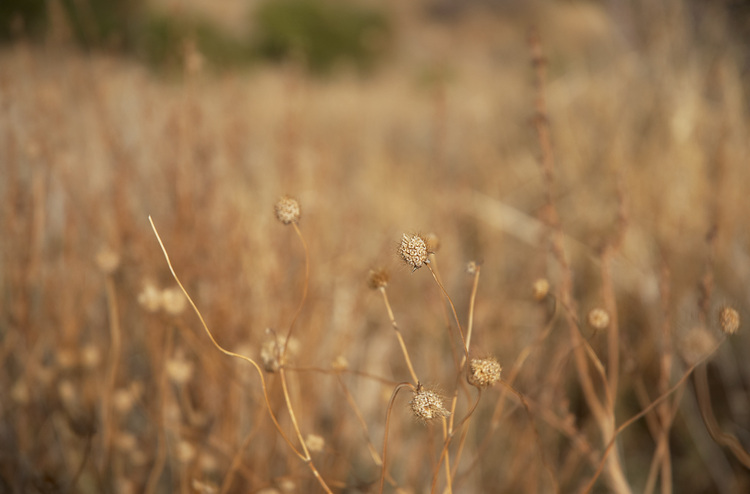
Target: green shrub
<point>322,33</point>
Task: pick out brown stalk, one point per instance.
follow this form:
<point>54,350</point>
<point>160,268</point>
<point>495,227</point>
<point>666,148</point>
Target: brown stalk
<point>303,456</point>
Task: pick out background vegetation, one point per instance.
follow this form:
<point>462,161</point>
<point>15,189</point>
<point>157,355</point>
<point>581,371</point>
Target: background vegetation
<point>636,205</point>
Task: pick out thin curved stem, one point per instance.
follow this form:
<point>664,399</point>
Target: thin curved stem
<point>383,471</point>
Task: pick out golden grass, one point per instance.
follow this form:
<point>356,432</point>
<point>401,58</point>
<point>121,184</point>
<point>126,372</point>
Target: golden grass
<point>623,187</point>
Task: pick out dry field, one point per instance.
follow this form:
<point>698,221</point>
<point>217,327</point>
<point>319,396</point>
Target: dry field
<point>607,157</point>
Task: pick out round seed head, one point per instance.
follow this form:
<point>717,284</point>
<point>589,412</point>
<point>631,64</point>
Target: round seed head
<point>287,210</point>
<point>729,320</point>
<point>378,278</point>
<point>427,405</point>
<point>540,289</point>
<point>413,250</point>
<point>315,443</point>
<point>696,344</point>
<point>108,261</point>
<point>598,318</point>
<point>484,372</point>
<point>472,267</point>
<point>173,301</point>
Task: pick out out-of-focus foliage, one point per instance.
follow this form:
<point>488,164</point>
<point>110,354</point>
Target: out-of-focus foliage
<point>162,40</point>
<point>323,34</point>
<point>29,16</point>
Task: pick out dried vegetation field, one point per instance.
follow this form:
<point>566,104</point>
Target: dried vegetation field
<point>580,195</point>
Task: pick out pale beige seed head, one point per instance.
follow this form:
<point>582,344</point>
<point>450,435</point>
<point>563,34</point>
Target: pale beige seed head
<point>287,210</point>
<point>150,297</point>
<point>108,261</point>
<point>413,250</point>
<point>472,267</point>
<point>427,405</point>
<point>315,443</point>
<point>484,372</point>
<point>598,318</point>
<point>729,320</point>
<point>696,344</point>
<point>173,301</point>
<point>540,289</point>
<point>378,278</point>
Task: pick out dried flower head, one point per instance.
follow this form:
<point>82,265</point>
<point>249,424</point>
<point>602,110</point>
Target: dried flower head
<point>484,372</point>
<point>540,289</point>
<point>729,320</point>
<point>340,364</point>
<point>413,250</point>
<point>598,318</point>
<point>287,210</point>
<point>272,353</point>
<point>427,405</point>
<point>472,267</point>
<point>179,368</point>
<point>173,301</point>
<point>315,443</point>
<point>378,278</point>
<point>108,261</point>
<point>698,342</point>
<point>150,298</point>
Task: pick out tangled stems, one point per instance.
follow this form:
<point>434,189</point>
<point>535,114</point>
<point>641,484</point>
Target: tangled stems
<point>303,456</point>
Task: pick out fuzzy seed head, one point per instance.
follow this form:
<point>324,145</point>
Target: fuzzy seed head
<point>378,278</point>
<point>598,318</point>
<point>540,289</point>
<point>413,250</point>
<point>173,301</point>
<point>729,320</point>
<point>287,210</point>
<point>696,344</point>
<point>427,405</point>
<point>484,372</point>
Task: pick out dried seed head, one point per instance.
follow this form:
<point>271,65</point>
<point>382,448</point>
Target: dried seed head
<point>427,405</point>
<point>108,261</point>
<point>540,289</point>
<point>598,318</point>
<point>413,250</point>
<point>696,345</point>
<point>272,350</point>
<point>179,368</point>
<point>378,278</point>
<point>315,443</point>
<point>173,301</point>
<point>729,320</point>
<point>150,297</point>
<point>484,372</point>
<point>472,267</point>
<point>340,364</point>
<point>287,210</point>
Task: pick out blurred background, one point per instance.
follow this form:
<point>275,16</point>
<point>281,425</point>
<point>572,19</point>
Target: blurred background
<point>380,117</point>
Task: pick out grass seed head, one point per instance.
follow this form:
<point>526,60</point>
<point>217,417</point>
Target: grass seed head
<point>378,278</point>
<point>427,405</point>
<point>287,210</point>
<point>540,289</point>
<point>484,372</point>
<point>413,250</point>
<point>598,318</point>
<point>698,342</point>
<point>729,320</point>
